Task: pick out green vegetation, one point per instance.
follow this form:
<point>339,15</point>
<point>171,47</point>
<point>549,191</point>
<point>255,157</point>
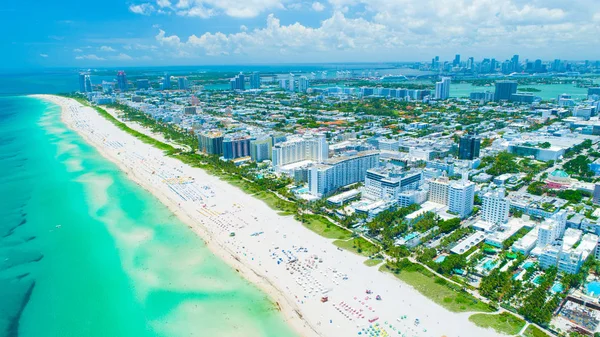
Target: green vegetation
<point>537,307</point>
<point>373,262</point>
<point>579,166</point>
<point>358,245</point>
<point>503,163</point>
<point>534,331</point>
<point>435,288</point>
<point>324,227</point>
<point>504,322</point>
<point>574,196</point>
<point>537,188</point>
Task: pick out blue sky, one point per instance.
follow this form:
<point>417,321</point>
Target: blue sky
<point>75,33</point>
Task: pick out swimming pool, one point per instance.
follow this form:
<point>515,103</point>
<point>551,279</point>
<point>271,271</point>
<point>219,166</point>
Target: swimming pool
<point>537,280</point>
<point>557,287</point>
<point>440,259</point>
<point>489,265</point>
<point>593,289</point>
<point>528,265</point>
<point>301,190</point>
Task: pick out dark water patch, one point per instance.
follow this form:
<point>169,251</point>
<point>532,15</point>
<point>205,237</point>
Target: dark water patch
<point>13,326</point>
<point>7,140</point>
<point>14,228</point>
<point>22,276</point>
<point>14,263</point>
<point>30,238</point>
<point>10,156</point>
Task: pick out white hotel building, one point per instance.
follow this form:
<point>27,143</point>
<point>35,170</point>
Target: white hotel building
<point>308,147</point>
<point>323,179</point>
<point>495,207</point>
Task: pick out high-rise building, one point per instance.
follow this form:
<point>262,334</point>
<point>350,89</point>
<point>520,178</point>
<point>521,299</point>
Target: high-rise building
<point>85,82</point>
<point>260,149</point>
<point>456,61</point>
<point>238,83</point>
<point>337,172</point>
<point>303,84</point>
<point>442,88</point>
<point>183,83</point>
<point>309,147</point>
<point>438,190</point>
<point>122,80</point>
<point>387,183</point>
<point>236,147</point>
<point>596,199</point>
<point>255,80</point>
<point>166,82</point>
<point>516,66</point>
<point>211,143</point>
<point>495,207</point>
<point>291,83</point>
<point>468,147</point>
<point>142,84</point>
<point>461,195</point>
<point>504,89</point>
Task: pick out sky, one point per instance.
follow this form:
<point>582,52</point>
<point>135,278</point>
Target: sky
<point>76,33</point>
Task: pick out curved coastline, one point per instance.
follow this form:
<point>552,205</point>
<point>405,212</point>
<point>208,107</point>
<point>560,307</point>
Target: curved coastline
<point>306,315</point>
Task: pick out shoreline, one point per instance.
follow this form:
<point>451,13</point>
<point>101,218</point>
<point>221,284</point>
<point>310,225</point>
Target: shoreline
<point>306,322</point>
<point>290,312</point>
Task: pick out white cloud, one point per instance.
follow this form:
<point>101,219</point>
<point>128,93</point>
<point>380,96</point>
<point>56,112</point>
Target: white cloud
<point>208,8</point>
<point>123,57</point>
<point>163,3</point>
<point>77,50</point>
<point>318,7</point>
<point>44,55</point>
<point>395,30</point>
<point>91,57</point>
<point>143,9</point>
<point>107,48</point>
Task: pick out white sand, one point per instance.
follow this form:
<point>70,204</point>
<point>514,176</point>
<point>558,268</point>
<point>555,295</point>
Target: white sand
<point>213,209</point>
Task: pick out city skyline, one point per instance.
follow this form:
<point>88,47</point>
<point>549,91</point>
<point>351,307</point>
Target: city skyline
<point>163,32</point>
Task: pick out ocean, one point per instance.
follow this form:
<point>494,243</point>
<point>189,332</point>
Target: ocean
<point>86,252</point>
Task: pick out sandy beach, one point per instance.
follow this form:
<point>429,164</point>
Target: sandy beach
<point>290,263</point>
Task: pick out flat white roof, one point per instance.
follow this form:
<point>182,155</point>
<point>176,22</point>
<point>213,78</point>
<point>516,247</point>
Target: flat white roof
<point>468,243</point>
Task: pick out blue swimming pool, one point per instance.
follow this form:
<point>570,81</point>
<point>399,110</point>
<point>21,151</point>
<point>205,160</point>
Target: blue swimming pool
<point>557,288</point>
<point>593,289</point>
<point>538,280</point>
<point>440,259</point>
<point>489,265</point>
<point>528,265</point>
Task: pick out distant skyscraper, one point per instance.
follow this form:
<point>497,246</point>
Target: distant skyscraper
<point>122,80</point>
<point>142,84</point>
<point>303,84</point>
<point>255,81</point>
<point>456,61</point>
<point>442,88</point>
<point>468,148</point>
<point>183,83</point>
<point>238,82</point>
<point>471,63</point>
<point>166,82</point>
<point>504,89</point>
<point>85,82</point>
<point>516,66</point>
<point>292,83</point>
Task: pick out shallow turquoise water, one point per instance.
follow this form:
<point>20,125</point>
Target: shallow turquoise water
<point>86,252</point>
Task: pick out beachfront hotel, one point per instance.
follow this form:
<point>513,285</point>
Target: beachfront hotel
<point>324,179</point>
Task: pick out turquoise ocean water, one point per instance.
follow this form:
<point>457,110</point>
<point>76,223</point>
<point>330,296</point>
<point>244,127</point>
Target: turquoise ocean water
<point>86,252</point>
